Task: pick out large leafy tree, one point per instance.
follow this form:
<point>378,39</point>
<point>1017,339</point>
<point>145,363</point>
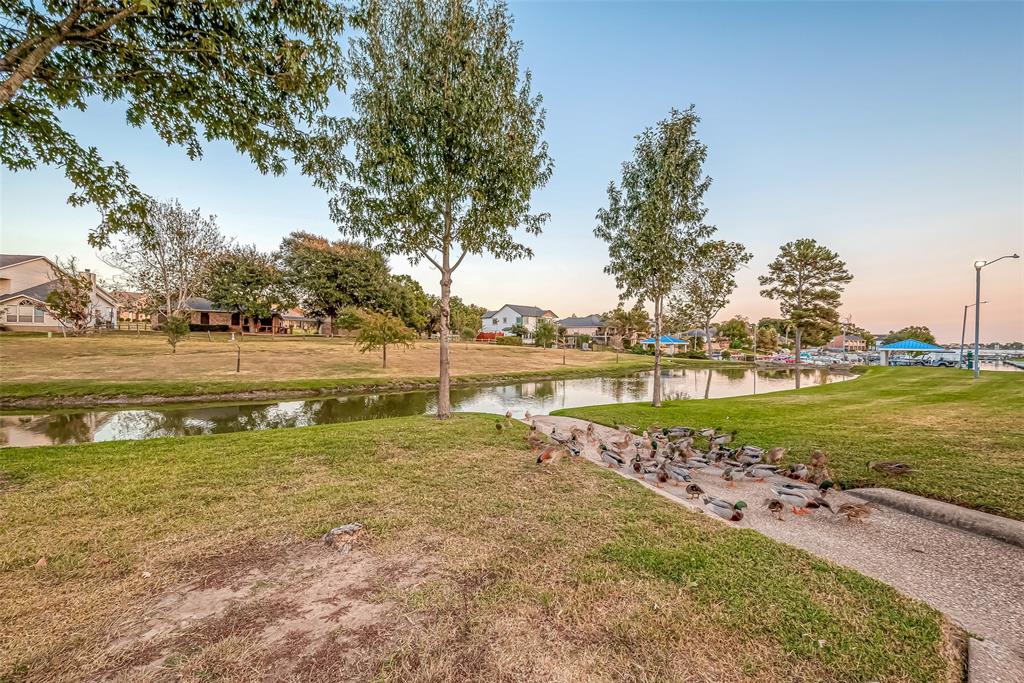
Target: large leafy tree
<point>653,223</point>
<point>328,276</point>
<point>248,280</point>
<point>447,140</point>
<point>919,332</point>
<point>737,331</point>
<point>624,323</point>
<point>407,300</point>
<point>253,73</point>
<point>807,279</point>
<point>708,282</point>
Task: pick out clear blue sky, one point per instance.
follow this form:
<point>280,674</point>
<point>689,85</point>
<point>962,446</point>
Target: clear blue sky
<point>892,132</point>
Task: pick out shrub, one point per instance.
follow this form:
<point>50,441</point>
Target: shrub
<point>508,341</point>
<point>696,355</point>
<point>176,328</point>
<point>198,327</point>
<point>726,355</point>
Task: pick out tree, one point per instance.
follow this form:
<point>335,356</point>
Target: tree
<point>653,223</point>
<point>407,300</point>
<point>781,326</point>
<point>168,260</point>
<point>622,323</point>
<point>545,333</point>
<point>249,281</point>
<point>465,318</point>
<point>519,330</point>
<point>851,329</point>
<point>379,330</point>
<point>767,339</point>
<point>176,328</point>
<point>70,300</point>
<point>255,74</point>
<point>919,332</point>
<point>709,281</point>
<point>737,331</point>
<point>447,140</point>
<point>807,279</point>
<point>329,276</point>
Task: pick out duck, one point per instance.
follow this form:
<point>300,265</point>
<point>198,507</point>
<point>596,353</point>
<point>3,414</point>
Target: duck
<point>732,512</point>
<point>499,426</point>
<point>890,468</point>
<point>707,432</point>
<point>761,472</point>
<point>590,432</point>
<point>656,477</point>
<point>696,463</point>
<point>611,458</point>
<point>775,506</point>
<point>527,416</point>
<point>676,473</point>
<point>732,475</point>
<point>799,500</point>
<point>693,491</point>
<point>722,439</point>
<point>798,471</point>
<point>853,511</point>
<point>774,455</point>
<point>818,459</point>
<point>821,488</point>
<point>678,431</point>
<point>549,454</point>
<point>747,458</point>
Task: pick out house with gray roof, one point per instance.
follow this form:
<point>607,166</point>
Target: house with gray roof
<point>504,318</point>
<point>25,282</point>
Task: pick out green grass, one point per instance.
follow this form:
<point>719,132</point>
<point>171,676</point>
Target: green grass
<point>532,570</point>
<point>964,437</point>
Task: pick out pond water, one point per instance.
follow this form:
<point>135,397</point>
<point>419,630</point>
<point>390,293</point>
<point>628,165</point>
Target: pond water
<point>68,427</point>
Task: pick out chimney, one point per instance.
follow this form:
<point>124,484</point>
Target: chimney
<point>89,274</point>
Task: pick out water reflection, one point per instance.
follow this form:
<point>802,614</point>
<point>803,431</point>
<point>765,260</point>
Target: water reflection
<point>536,397</point>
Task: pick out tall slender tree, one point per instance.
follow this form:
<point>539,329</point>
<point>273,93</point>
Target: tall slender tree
<point>253,73</point>
<point>807,279</point>
<point>653,223</point>
<point>447,140</point>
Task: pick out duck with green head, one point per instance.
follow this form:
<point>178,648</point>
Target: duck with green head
<point>732,512</point>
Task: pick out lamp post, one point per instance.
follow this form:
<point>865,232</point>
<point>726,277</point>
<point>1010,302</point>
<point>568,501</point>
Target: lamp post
<point>963,332</point>
<point>978,265</point>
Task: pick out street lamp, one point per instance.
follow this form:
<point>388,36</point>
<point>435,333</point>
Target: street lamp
<point>963,332</point>
<point>978,265</point>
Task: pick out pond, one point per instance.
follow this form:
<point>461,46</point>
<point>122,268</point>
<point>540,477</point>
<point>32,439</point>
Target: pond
<point>82,426</point>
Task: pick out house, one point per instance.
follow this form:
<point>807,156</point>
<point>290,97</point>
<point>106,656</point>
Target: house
<point>503,319</point>
<point>132,307</point>
<point>25,282</point>
<point>847,343</point>
<point>203,313</point>
<point>591,325</point>
<point>717,343</point>
<point>296,319</point>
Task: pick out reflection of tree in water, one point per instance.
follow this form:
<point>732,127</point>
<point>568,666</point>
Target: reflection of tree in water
<point>733,374</point>
<point>368,407</point>
<point>65,428</point>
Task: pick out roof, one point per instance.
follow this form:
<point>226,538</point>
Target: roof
<point>586,321</point>
<point>531,311</point>
<point>38,292</point>
<point>665,339</point>
<point>14,259</point>
<point>909,345</point>
<point>198,303</point>
<point>490,314</point>
<point>700,333</point>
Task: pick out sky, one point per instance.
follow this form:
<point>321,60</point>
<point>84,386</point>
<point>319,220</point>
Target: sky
<point>891,132</point>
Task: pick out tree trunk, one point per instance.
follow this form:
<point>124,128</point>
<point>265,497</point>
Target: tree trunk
<point>656,402</point>
<point>254,324</point>
<point>796,336</point>
<point>385,347</point>
<point>444,406</point>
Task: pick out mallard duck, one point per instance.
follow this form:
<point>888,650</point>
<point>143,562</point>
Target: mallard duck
<point>821,488</point>
<point>761,472</point>
<point>678,431</point>
<point>732,512</point>
<point>746,458</point>
<point>775,506</point>
<point>624,442</point>
<point>799,499</point>
<point>527,416</point>
<point>707,432</point>
<point>590,432</point>
<point>694,491</point>
<point>798,471</point>
<point>499,426</point>
<point>852,511</point>
<point>890,468</point>
<point>696,463</point>
<point>818,459</point>
<point>677,474</point>
<point>721,439</point>
<point>612,458</point>
<point>774,455</point>
<point>656,477</point>
<point>732,475</point>
<point>549,454</point>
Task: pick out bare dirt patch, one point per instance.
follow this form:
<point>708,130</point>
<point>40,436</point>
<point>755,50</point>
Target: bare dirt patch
<point>265,620</point>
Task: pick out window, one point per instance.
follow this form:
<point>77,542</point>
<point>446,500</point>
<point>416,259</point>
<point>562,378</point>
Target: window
<point>26,312</point>
<point>494,321</point>
<point>12,314</point>
<point>38,314</point>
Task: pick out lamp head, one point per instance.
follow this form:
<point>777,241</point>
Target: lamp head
<point>980,264</point>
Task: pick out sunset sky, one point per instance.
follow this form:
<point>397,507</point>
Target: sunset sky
<point>891,132</point>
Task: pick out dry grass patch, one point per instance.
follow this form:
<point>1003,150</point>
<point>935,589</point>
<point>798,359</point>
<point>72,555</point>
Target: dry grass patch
<point>197,559</point>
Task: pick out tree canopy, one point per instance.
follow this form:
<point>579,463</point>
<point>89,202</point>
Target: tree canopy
<point>248,280</point>
<point>708,281</point>
<point>253,73</point>
<point>737,331</point>
<point>653,223</point>
<point>545,333</point>
<point>919,332</point>
<point>380,330</point>
<point>447,140</point>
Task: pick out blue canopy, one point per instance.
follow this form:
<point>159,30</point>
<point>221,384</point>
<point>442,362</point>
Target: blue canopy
<point>910,345</point>
<point>665,339</point>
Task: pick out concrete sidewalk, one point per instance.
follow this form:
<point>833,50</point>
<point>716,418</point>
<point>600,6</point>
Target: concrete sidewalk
<point>978,582</point>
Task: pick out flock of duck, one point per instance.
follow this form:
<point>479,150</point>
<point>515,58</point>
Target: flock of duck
<point>671,456</point>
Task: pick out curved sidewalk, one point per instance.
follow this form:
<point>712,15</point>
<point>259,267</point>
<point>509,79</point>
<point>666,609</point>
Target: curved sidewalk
<point>975,580</point>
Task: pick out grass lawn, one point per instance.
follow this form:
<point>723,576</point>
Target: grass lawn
<point>965,438</point>
<point>127,366</point>
<point>477,565</point>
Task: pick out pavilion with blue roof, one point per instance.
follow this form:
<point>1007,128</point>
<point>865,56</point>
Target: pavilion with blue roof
<point>673,344</point>
<point>905,345</point>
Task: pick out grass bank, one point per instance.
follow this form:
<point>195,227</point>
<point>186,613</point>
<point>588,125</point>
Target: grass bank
<point>476,565</point>
<point>963,437</point>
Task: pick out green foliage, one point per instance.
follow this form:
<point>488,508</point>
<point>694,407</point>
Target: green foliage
<point>519,330</point>
<point>582,339</point>
<point>254,74</point>
<point>545,333</point>
<point>708,282</point>
<point>919,332</point>
<point>70,301</point>
<point>249,281</point>
<point>807,279</point>
<point>726,355</point>
<point>737,331</point>
<point>508,341</point>
<point>622,324</point>
<point>447,139</point>
<point>653,223</point>
<point>408,301</point>
<point>380,330</point>
<point>176,328</point>
<point>767,339</point>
